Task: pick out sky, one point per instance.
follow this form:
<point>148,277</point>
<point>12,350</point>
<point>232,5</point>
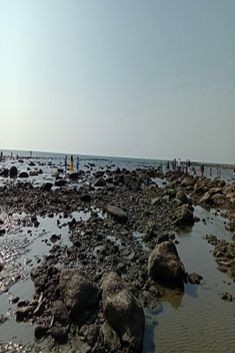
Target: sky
<point>132,78</point>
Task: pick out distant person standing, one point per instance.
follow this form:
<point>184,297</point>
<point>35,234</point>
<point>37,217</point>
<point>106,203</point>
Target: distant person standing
<point>65,165</point>
<point>202,170</point>
<point>1,156</point>
<point>179,165</point>
<point>71,165</point>
<point>77,164</point>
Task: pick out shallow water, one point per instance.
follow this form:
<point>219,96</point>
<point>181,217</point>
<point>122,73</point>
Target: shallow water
<point>194,321</point>
<point>197,320</point>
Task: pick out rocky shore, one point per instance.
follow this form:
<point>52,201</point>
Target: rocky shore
<point>96,287</point>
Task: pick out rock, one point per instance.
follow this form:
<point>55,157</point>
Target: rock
<point>227,296</point>
<point>125,321</point>
<point>23,175</point>
<point>33,173</point>
<point>24,312</point>
<point>55,237</point>
<point>1,266</point>
<point>40,331</point>
<point>164,236</point>
<point>79,293</point>
<point>194,278</point>
<point>13,172</point>
<point>60,182</point>
<point>3,318</point>
<point>181,196</point>
<point>2,231</point>
<point>46,186</point>
<point>184,216</point>
<point>117,213</point>
<point>100,182</point>
<point>218,199</point>
<point>5,173</point>
<point>165,265</point>
<point>150,230</point>
<point>86,197</point>
<point>73,176</point>
<point>60,312</point>
<point>206,198</point>
<point>55,173</point>
<point>60,334</point>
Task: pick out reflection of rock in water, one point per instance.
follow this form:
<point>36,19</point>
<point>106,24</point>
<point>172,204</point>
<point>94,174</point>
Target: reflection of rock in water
<point>172,296</point>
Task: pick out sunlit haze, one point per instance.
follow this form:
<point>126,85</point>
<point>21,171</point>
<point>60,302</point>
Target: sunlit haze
<point>152,79</point>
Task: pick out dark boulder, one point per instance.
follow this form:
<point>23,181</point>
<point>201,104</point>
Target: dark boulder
<point>23,175</point>
<point>13,172</point>
<point>165,265</point>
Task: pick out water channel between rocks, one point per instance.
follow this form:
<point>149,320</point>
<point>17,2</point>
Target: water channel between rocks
<point>197,320</point>
<point>194,321</point>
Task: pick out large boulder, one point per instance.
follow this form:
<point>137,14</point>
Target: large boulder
<point>165,265</point>
<point>125,321</point>
<point>79,294</point>
<point>13,172</point>
<point>184,216</point>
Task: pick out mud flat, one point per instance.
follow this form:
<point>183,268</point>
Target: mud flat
<point>81,263</point>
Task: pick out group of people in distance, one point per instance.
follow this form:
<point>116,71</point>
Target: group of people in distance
<point>184,167</point>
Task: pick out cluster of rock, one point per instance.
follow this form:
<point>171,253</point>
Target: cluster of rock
<point>95,299</point>
<point>108,318</point>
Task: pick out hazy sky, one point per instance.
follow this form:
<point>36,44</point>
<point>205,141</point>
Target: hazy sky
<point>147,78</point>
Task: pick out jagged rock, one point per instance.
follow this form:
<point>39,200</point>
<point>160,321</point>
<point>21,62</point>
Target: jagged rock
<point>165,265</point>
<point>117,213</point>
<point>124,326</point>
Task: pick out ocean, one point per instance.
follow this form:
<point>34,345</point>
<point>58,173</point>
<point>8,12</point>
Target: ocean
<point>101,162</point>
